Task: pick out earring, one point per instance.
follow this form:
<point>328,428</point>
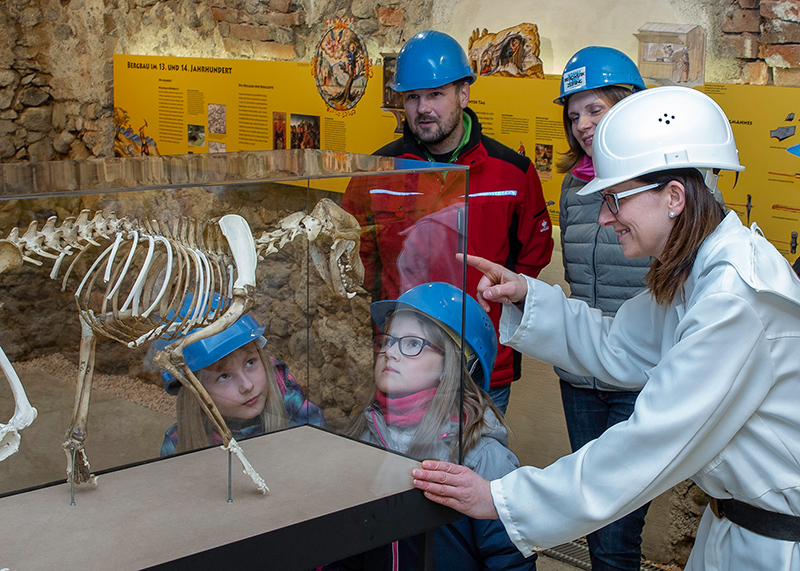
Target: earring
<point>671,214</point>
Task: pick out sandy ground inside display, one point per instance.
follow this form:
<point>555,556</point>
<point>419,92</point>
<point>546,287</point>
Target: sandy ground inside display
<point>134,390</point>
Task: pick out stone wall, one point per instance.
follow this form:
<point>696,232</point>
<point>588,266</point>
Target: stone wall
<point>56,98</point>
<point>764,38</point>
<point>56,88</point>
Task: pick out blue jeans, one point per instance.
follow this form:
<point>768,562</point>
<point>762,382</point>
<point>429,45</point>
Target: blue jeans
<point>589,413</point>
<point>500,396</point>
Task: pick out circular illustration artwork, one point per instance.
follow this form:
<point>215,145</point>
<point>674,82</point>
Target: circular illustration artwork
<point>341,67</point>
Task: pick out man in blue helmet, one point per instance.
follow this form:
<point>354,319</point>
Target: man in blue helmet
<point>508,218</point>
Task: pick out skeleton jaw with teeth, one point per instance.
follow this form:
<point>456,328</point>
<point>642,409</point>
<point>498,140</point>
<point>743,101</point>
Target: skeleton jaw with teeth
<point>334,236</point>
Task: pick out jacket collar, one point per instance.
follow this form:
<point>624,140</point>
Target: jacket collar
<point>756,261</point>
<point>491,428</point>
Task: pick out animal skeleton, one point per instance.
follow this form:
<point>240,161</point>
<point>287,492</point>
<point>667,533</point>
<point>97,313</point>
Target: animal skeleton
<point>146,273</point>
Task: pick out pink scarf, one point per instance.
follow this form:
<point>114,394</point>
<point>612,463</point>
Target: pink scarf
<point>407,410</point>
<point>584,169</point>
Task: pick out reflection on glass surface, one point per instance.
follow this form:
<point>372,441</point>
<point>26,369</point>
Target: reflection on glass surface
<point>413,227</point>
<point>320,340</point>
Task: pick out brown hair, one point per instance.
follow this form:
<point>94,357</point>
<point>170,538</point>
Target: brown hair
<point>445,404</point>
<point>700,217</point>
<point>611,94</point>
<point>195,428</point>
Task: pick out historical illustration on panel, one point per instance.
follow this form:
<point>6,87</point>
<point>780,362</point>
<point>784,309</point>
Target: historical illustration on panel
<point>278,130</point>
<point>341,67</point>
<point>392,101</point>
<point>129,143</point>
<point>672,54</point>
<point>513,52</point>
<point>305,133</point>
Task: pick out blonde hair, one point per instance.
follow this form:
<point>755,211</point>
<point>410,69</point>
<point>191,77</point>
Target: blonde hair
<point>445,404</point>
<point>195,429</point>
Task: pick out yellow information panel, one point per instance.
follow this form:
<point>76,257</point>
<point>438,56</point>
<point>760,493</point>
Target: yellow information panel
<point>520,113</point>
<point>765,120</point>
<point>167,105</point>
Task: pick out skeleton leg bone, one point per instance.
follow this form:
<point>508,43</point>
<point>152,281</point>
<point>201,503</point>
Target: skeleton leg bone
<point>78,469</point>
<point>189,381</point>
<point>171,359</point>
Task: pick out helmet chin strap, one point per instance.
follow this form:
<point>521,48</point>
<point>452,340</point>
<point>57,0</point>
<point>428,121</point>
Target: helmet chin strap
<point>472,364</point>
<point>710,176</point>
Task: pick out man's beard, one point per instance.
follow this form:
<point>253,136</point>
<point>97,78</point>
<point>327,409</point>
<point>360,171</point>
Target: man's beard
<point>439,133</point>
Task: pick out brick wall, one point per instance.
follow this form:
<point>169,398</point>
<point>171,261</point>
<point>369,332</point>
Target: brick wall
<point>764,37</point>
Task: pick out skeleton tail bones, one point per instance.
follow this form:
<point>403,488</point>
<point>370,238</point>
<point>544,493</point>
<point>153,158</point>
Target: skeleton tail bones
<point>159,267</point>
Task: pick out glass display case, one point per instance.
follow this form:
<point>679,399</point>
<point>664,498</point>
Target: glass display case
<point>138,252</point>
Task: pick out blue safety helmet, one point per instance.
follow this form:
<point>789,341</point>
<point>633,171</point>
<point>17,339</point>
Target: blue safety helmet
<point>442,303</point>
<point>208,351</point>
<point>598,66</point>
<point>430,59</point>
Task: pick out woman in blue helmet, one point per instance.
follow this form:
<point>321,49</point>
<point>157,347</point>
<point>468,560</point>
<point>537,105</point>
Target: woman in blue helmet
<point>595,79</point>
<point>253,391</point>
<point>419,366</point>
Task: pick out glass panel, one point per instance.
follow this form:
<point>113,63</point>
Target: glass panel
<point>413,225</point>
<point>318,334</point>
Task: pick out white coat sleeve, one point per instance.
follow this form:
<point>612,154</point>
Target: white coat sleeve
<point>571,335</point>
<point>700,394</point>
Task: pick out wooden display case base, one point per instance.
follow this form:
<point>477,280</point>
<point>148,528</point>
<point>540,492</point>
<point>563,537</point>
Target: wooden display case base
<point>330,497</point>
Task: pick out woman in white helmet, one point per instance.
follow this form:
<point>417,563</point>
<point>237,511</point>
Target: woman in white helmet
<point>712,344</point>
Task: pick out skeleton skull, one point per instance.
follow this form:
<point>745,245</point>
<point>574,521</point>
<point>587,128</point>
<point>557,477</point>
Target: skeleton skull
<point>334,236</point>
<point>335,250</point>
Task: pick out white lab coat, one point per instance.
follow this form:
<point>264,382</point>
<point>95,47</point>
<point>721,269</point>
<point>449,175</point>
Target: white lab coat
<point>719,370</point>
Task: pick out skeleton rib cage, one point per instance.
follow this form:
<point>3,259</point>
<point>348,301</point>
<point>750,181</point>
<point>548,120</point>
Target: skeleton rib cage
<point>188,257</point>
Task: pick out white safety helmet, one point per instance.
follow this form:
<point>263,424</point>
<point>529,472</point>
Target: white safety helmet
<point>660,129</point>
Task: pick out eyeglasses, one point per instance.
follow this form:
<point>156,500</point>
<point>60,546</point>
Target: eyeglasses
<point>410,345</point>
<point>612,200</point>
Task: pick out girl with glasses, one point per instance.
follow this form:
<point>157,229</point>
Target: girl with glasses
<point>712,344</point>
<point>420,367</point>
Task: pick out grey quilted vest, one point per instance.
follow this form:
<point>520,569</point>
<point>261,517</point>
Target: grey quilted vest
<point>594,266</point>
